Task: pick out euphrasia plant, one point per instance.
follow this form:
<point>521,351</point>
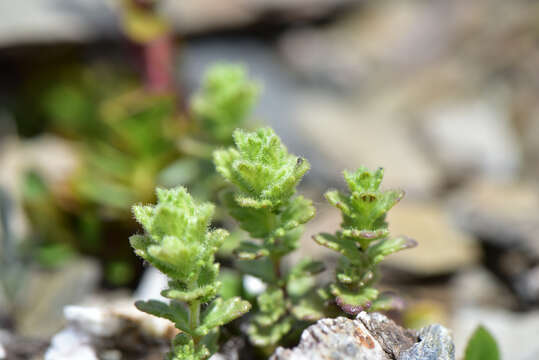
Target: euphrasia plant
<point>224,101</point>
<point>363,240</point>
<point>263,201</point>
<point>222,104</point>
<point>177,241</point>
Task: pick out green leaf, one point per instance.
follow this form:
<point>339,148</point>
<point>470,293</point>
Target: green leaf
<point>272,306</point>
<point>336,243</point>
<point>301,277</point>
<point>174,312</point>
<point>221,312</point>
<point>385,247</point>
<point>231,284</point>
<point>261,335</point>
<point>353,301</point>
<point>261,268</point>
<point>482,346</point>
<point>297,212</point>
<point>250,251</point>
<point>224,101</point>
<point>260,167</point>
<point>254,221</point>
<point>201,293</point>
<point>311,307</point>
<point>184,348</point>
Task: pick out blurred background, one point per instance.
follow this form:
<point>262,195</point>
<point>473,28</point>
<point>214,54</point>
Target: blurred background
<point>95,111</point>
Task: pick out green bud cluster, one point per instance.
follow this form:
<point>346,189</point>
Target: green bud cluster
<point>364,240</point>
<point>224,101</point>
<point>178,243</point>
<point>264,178</point>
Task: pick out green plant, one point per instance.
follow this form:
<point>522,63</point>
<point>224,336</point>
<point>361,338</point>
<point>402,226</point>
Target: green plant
<point>222,104</point>
<point>178,243</point>
<point>482,346</point>
<point>363,241</point>
<point>128,141</point>
<point>264,178</point>
<point>224,101</point>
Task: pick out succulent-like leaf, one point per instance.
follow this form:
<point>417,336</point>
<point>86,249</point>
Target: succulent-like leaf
<point>221,312</point>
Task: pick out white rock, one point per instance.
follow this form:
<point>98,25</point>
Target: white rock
<point>2,352</point>
<point>71,344</point>
<point>152,283</point>
<point>93,320</point>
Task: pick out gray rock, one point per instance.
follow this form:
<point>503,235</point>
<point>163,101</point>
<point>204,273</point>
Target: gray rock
<point>504,217</point>
<point>442,247</point>
<point>339,338</point>
<point>109,332</point>
<point>46,294</point>
<point>369,337</point>
<point>474,138</point>
<point>45,21</point>
<point>479,287</point>
<point>435,344</point>
<point>346,136</point>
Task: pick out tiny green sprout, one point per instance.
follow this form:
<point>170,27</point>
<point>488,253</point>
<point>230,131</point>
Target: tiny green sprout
<point>177,241</point>
<point>364,240</point>
<point>263,201</point>
<point>224,101</point>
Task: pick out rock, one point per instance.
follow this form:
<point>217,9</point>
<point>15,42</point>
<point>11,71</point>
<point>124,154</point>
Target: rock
<point>368,337</point>
<point>435,343</point>
<point>110,331</point>
<point>339,338</point>
<point>479,287</point>
<point>46,294</point>
<point>442,247</point>
<point>150,286</point>
<point>52,157</point>
<point>474,138</point>
<point>373,37</point>
<point>515,333</point>
<point>70,344</point>
<point>346,137</point>
<point>92,320</point>
<point>393,338</point>
<point>14,347</point>
<point>504,217</point>
<point>32,22</point>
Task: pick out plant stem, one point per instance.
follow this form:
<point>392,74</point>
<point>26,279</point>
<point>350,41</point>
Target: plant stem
<point>194,319</point>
